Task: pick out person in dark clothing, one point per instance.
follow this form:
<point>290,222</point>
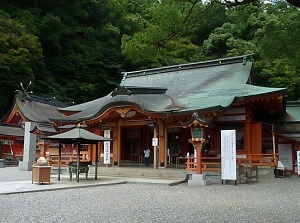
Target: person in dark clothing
<point>147,156</point>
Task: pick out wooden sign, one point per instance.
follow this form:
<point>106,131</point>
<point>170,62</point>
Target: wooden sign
<point>106,147</point>
<point>228,154</point>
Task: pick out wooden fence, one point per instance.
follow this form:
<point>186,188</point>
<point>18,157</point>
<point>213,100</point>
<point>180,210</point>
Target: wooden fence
<point>214,163</point>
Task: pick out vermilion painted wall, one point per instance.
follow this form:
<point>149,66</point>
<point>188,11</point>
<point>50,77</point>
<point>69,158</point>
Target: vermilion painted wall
<point>256,138</point>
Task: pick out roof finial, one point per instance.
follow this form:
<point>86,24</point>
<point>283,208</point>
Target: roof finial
<point>25,89</point>
<point>124,76</point>
<point>244,60</point>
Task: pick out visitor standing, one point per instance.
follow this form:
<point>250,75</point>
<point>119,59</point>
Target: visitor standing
<point>147,156</point>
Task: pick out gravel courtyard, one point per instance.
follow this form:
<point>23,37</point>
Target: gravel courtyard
<point>269,200</point>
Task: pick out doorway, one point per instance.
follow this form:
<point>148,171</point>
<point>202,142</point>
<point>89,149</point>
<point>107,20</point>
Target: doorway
<point>134,140</point>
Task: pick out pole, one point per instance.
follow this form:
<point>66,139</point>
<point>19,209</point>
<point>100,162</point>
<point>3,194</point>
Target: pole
<point>78,161</point>
<point>155,148</point>
<point>199,157</point>
<point>273,139</point>
<point>59,161</point>
<point>274,149</point>
<point>96,162</point>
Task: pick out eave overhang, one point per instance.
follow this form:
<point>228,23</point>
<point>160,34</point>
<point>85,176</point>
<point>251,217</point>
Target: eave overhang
<point>14,131</point>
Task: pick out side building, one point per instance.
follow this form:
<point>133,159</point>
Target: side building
<point>36,112</point>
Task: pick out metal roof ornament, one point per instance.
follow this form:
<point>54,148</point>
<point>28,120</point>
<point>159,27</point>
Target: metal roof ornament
<point>120,90</point>
<point>195,120</point>
<point>25,89</point>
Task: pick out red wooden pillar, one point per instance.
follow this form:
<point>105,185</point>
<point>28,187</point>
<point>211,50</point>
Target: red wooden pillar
<point>199,157</point>
<point>247,130</point>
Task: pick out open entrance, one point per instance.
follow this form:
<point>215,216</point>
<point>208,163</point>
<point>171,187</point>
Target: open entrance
<point>178,145</point>
<point>134,140</point>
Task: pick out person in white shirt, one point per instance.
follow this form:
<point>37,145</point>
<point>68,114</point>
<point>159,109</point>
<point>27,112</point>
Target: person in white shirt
<point>147,156</point>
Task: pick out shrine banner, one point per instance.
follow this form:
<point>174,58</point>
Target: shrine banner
<point>106,147</point>
<point>228,154</point>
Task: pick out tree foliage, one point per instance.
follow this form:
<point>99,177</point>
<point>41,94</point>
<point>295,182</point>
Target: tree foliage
<point>231,3</point>
<point>76,50</point>
<point>270,33</point>
<point>166,38</point>
<point>79,47</point>
<point>20,58</point>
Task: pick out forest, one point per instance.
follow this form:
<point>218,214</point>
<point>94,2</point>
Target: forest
<point>75,50</point>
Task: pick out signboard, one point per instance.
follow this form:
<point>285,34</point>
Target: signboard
<point>106,147</point>
<point>154,141</point>
<point>285,155</point>
<point>298,162</point>
<point>228,154</point>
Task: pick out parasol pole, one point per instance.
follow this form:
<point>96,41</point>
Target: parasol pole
<point>96,161</point>
<point>59,160</point>
<point>78,159</point>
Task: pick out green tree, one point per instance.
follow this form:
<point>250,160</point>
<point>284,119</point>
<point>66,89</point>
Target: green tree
<point>279,50</point>
<point>270,31</point>
<point>232,3</point>
<point>166,38</point>
<point>21,58</point>
<point>76,50</point>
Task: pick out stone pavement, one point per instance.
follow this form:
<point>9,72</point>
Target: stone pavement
<point>23,183</point>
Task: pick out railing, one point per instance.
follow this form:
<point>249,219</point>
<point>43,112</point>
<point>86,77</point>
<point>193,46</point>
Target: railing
<point>208,164</point>
<point>259,159</point>
<point>214,163</point>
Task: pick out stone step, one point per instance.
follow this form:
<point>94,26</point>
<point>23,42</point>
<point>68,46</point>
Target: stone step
<point>140,172</point>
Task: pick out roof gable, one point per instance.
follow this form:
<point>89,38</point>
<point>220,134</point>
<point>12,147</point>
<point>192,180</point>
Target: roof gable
<point>28,107</point>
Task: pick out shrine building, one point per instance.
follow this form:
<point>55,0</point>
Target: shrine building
<point>148,109</point>
<point>154,103</point>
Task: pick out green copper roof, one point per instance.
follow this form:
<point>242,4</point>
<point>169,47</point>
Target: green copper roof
<point>288,124</point>
<point>292,114</point>
<point>203,86</point>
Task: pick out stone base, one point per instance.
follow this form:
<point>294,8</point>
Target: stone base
<point>198,180</point>
<point>24,165</point>
<point>2,163</point>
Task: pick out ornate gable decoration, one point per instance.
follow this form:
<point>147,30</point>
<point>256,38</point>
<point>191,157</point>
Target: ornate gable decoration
<point>123,111</point>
